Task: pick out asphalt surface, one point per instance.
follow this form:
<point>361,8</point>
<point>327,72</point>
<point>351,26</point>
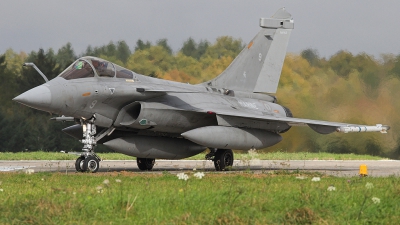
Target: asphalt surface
<point>341,168</point>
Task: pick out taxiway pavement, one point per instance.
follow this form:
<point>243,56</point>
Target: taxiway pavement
<point>341,168</point>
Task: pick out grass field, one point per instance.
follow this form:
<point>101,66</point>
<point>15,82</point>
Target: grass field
<point>40,155</point>
<point>217,198</point>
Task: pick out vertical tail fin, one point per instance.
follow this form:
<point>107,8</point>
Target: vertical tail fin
<point>258,66</point>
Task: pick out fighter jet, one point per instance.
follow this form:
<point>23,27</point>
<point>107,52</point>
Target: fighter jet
<point>150,118</point>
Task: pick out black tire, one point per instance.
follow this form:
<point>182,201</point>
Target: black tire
<point>79,164</point>
<point>145,163</point>
<point>223,159</point>
<point>91,164</point>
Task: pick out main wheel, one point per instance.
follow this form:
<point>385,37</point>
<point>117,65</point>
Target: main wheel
<point>145,163</point>
<point>91,164</point>
<point>223,159</point>
<point>79,164</point>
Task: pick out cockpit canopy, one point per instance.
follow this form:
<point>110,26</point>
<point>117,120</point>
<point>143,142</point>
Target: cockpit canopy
<point>91,66</point>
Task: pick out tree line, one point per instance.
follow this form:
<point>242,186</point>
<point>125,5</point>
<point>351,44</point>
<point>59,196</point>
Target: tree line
<point>358,89</point>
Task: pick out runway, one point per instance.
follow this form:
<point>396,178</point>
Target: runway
<point>341,168</point>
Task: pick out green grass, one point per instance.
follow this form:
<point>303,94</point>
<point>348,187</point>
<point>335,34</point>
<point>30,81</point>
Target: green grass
<point>40,155</point>
<point>234,198</point>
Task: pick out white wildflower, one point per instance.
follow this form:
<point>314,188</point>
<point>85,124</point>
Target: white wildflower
<point>1,190</point>
<point>315,179</point>
<point>331,188</point>
<point>182,176</point>
<point>106,182</point>
<point>29,171</point>
<point>99,189</point>
<point>199,175</point>
<point>376,200</point>
<point>118,180</point>
<point>74,193</point>
<point>369,185</point>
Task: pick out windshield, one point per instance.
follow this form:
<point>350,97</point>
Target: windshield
<point>89,66</point>
<point>79,69</point>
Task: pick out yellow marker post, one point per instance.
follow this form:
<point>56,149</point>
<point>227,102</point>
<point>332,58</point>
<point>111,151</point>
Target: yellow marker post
<point>363,170</point>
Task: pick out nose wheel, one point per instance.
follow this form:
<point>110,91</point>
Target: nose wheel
<point>79,163</point>
<point>87,163</point>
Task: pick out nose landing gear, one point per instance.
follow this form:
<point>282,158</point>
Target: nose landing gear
<point>88,161</point>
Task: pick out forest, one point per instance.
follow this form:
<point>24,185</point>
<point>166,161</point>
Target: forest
<point>360,89</point>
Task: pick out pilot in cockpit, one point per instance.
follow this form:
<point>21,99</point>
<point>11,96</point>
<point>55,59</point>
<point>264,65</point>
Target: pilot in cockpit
<point>103,68</point>
<point>99,66</point>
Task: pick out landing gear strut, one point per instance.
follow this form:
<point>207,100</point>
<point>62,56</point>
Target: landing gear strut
<point>89,130</point>
<point>223,158</point>
<point>88,161</point>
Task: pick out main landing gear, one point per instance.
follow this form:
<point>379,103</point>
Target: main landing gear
<point>145,163</point>
<point>88,161</point>
<point>223,158</point>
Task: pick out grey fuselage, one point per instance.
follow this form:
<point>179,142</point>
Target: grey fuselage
<point>170,108</point>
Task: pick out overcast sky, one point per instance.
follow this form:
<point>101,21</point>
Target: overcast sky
<point>328,26</point>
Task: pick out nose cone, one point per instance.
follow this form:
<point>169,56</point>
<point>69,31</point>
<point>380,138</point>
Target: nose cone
<point>38,98</point>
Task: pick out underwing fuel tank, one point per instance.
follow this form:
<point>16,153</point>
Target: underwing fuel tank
<point>155,147</point>
<point>232,137</point>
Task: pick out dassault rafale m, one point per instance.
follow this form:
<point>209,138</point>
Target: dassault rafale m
<point>150,118</point>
